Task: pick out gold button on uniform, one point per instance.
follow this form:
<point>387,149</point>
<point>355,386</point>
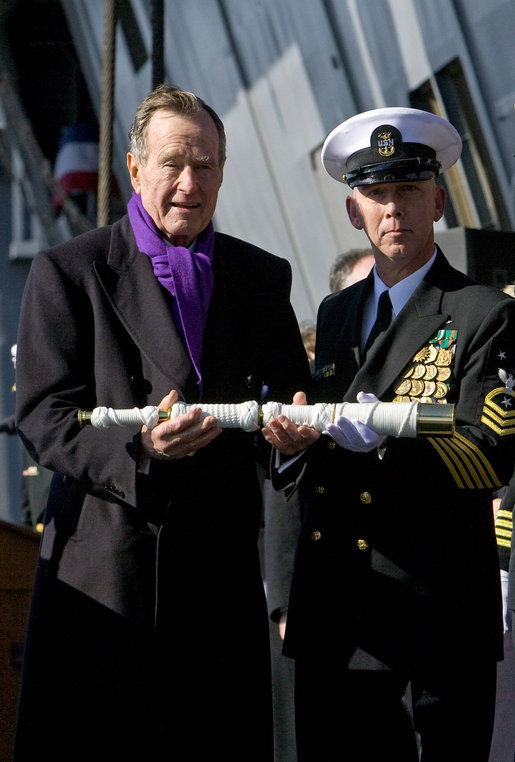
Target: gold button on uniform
<point>331,444</point>
<point>316,535</point>
<point>365,498</point>
<point>362,544</point>
<point>320,490</point>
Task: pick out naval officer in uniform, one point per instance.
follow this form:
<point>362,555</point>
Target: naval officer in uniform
<point>396,580</point>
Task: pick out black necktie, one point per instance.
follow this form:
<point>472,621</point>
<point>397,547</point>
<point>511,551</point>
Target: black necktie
<point>384,316</point>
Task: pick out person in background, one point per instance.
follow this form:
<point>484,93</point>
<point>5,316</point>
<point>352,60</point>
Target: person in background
<point>349,267</point>
<point>35,480</point>
<point>503,738</point>
<point>281,526</point>
<point>308,332</point>
<point>502,504</point>
<point>148,633</point>
<point>396,577</point>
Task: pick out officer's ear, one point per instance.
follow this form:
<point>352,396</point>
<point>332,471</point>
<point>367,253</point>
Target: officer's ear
<point>353,212</point>
<point>440,196</point>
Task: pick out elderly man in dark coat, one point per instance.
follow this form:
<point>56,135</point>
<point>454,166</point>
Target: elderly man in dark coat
<point>148,635</point>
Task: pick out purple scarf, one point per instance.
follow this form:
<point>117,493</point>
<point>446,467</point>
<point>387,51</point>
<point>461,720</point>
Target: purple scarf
<point>187,275</point>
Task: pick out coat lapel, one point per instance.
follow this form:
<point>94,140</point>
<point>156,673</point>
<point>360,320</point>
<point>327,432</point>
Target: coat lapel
<point>139,301</point>
<point>337,354</point>
<point>348,365</point>
<point>419,320</point>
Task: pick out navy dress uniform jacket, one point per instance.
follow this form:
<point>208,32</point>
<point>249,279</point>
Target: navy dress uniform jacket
<point>148,612</point>
<point>398,556</point>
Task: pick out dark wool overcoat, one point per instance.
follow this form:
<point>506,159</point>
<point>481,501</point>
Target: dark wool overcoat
<point>148,629</point>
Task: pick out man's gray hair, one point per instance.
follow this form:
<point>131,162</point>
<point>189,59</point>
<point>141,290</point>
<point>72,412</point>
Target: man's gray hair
<point>179,102</point>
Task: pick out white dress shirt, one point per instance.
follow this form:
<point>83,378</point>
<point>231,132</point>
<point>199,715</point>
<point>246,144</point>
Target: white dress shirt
<point>399,295</point>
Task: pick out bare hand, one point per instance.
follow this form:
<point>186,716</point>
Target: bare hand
<point>180,436</point>
<point>286,436</point>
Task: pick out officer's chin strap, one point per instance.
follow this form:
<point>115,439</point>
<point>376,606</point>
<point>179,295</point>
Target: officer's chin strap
<point>396,419</point>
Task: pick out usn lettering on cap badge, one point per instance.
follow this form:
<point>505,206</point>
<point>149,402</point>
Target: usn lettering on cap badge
<point>386,138</point>
<point>385,144</point>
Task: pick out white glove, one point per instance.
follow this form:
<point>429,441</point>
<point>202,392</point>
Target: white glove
<point>355,435</point>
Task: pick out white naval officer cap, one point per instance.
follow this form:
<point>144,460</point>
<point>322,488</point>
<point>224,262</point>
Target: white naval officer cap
<point>390,145</point>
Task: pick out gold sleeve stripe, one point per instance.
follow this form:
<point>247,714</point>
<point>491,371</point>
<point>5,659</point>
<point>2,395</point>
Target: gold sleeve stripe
<point>504,417</point>
<point>501,428</point>
<point>497,392</point>
<point>504,527</point>
<point>467,464</point>
<point>479,459</point>
<point>437,445</point>
<point>463,464</point>
<point>499,419</point>
<point>503,530</point>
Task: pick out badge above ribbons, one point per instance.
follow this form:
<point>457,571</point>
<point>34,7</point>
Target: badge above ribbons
<point>427,378</point>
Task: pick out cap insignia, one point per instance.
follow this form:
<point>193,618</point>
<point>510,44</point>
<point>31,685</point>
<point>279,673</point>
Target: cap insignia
<point>385,144</point>
<point>386,139</point>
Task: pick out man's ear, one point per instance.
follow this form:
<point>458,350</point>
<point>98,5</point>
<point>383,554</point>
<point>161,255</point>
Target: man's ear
<point>353,212</point>
<point>439,202</point>
<point>133,167</point>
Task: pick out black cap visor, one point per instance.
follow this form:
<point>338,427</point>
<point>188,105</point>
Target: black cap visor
<point>402,170</point>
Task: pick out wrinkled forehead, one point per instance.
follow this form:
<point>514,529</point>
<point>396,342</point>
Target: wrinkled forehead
<point>177,133</point>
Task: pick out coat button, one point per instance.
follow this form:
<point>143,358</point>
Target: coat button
<point>320,489</point>
<point>362,544</point>
<point>365,498</point>
<point>331,443</point>
<point>316,535</point>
